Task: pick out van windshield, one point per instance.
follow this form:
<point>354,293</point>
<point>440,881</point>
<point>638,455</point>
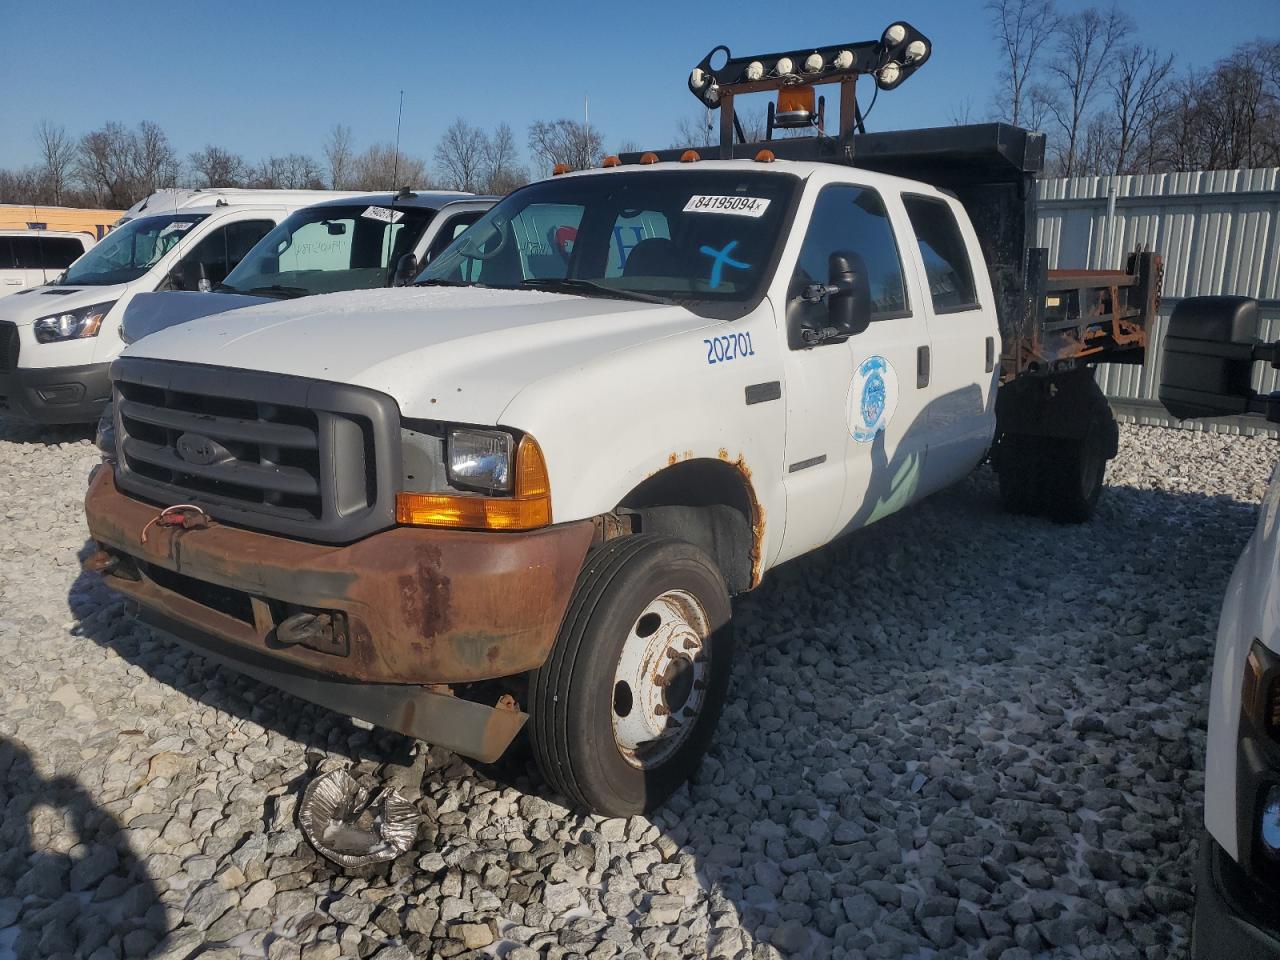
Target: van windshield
<point>328,249</point>
<point>706,238</point>
<point>129,251</point>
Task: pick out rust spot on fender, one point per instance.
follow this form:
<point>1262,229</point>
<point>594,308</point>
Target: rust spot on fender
<point>757,516</point>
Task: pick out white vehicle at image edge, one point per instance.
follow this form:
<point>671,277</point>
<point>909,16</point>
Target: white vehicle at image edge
<point>1209,353</point>
<point>32,258</point>
<point>519,494</point>
<point>57,340</point>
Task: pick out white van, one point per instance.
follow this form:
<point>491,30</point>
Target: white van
<point>32,258</point>
<point>57,340</point>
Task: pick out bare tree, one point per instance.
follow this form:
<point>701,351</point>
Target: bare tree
<point>155,165</point>
<point>1137,79</point>
<point>383,167</point>
<point>58,154</point>
<point>216,167</point>
<point>294,171</point>
<point>338,157</point>
<point>104,163</point>
<point>1022,28</point>
<point>502,169</point>
<point>697,130</point>
<point>460,155</point>
<point>1085,42</point>
<point>565,141</point>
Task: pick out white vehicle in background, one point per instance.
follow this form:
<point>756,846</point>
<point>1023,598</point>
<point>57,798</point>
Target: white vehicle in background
<point>32,258</point>
<point>1210,350</point>
<point>57,340</point>
<point>361,242</point>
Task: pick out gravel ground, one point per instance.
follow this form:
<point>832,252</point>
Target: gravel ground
<point>957,734</point>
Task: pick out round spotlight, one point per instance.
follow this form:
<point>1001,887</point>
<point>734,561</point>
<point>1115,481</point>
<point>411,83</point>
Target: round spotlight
<point>697,79</point>
<point>895,35</point>
<point>843,60</point>
<point>890,73</point>
<point>784,66</point>
<point>755,70</point>
<point>916,50</point>
<point>813,63</point>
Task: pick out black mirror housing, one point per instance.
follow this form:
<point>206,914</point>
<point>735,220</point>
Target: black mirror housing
<point>1209,351</point>
<point>848,293</point>
<point>406,270</point>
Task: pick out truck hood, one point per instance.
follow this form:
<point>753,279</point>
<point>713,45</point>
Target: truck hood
<point>26,307</point>
<point>447,353</point>
<point>148,313</point>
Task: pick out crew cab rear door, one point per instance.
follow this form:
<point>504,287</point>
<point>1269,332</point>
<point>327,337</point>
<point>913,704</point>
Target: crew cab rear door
<point>963,330</point>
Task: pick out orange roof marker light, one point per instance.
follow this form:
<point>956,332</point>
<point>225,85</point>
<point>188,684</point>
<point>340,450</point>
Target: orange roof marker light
<point>690,156</point>
<point>765,156</point>
<point>611,162</point>
<point>649,158</point>
<point>559,168</point>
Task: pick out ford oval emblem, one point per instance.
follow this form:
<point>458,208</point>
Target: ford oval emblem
<point>201,451</point>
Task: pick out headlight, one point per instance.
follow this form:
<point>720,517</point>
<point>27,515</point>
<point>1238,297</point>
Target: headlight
<point>1269,823</point>
<point>73,325</point>
<point>480,460</point>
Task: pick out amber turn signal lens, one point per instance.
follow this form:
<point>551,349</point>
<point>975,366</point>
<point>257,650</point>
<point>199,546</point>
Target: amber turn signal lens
<point>765,156</point>
<point>690,156</point>
<point>611,162</point>
<point>649,158</point>
<point>528,509</point>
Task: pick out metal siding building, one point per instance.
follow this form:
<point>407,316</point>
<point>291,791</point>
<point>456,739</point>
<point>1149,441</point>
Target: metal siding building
<point>1218,232</point>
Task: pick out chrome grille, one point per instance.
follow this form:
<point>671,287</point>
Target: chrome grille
<point>307,458</point>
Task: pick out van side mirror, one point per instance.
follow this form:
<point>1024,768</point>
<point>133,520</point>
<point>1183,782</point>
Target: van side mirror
<point>1210,348</point>
<point>406,270</point>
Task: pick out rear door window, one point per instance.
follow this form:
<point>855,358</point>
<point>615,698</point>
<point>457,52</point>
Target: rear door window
<point>946,258</point>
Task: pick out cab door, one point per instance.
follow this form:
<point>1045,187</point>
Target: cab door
<point>855,441</point>
<point>965,335</point>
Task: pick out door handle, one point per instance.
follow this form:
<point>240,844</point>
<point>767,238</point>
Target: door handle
<point>922,367</point>
<point>991,354</point>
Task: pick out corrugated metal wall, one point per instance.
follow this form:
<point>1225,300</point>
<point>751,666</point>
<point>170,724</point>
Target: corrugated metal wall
<point>1218,232</point>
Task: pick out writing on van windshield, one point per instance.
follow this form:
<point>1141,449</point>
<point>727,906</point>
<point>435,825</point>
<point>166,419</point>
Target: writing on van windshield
<point>178,226</point>
<point>738,206</point>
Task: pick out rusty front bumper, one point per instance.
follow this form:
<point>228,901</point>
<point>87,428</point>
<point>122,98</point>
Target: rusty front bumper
<point>421,607</point>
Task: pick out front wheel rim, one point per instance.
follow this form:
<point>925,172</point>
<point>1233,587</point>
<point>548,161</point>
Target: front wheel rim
<point>660,684</point>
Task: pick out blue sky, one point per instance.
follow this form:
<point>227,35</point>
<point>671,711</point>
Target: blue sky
<point>273,77</point>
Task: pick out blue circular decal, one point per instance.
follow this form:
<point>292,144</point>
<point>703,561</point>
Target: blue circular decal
<point>873,396</point>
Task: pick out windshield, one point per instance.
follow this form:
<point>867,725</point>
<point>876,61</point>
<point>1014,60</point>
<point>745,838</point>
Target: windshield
<point>694,237</point>
<point>129,251</point>
<point>330,248</point>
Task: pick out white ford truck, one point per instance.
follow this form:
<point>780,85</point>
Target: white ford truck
<point>521,493</point>
<point>1210,350</point>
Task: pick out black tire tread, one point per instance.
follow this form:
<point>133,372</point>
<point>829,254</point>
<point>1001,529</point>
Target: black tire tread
<point>549,736</point>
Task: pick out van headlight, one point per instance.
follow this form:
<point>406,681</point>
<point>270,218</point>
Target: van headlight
<point>72,325</point>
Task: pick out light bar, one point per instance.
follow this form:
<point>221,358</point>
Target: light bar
<point>900,51</point>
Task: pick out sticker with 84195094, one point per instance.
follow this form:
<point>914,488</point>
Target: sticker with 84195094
<point>738,206</point>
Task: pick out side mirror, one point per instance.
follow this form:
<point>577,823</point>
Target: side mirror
<point>406,270</point>
<point>848,293</point>
<point>1210,348</point>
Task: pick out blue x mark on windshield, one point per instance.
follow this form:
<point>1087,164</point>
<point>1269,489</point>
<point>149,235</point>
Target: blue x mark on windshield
<point>721,259</point>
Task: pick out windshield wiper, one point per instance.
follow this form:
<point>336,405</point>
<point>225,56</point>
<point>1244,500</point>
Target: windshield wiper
<point>437,282</point>
<point>283,293</point>
<point>586,288</point>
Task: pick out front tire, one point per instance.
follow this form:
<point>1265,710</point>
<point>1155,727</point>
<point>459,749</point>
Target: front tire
<point>622,711</point>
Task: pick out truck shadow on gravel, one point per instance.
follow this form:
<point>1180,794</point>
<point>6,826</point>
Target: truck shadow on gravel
<point>958,731</point>
<point>15,431</point>
<point>69,882</point>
